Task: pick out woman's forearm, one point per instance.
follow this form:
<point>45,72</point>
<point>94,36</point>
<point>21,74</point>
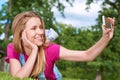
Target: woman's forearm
<point>26,70</point>
<point>96,49</point>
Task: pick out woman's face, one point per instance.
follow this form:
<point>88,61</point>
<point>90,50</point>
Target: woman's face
<point>35,31</point>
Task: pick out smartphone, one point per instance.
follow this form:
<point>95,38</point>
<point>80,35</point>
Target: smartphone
<point>106,22</point>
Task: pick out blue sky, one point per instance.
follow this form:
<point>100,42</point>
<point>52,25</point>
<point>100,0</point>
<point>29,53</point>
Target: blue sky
<point>76,15</point>
<point>1,2</point>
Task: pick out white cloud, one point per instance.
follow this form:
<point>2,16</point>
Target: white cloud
<point>77,15</point>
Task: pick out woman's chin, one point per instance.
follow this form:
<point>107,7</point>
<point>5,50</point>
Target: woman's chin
<point>39,44</point>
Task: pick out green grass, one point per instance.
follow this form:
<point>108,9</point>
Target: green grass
<point>72,79</point>
<point>7,76</point>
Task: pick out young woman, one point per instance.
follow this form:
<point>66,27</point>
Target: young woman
<point>29,39</point>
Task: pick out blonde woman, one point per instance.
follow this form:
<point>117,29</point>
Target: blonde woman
<point>29,38</point>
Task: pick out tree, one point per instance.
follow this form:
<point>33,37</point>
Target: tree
<point>106,63</point>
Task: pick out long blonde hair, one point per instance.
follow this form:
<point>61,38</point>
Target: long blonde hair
<point>18,26</point>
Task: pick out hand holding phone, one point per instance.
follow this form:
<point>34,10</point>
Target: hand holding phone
<point>106,22</point>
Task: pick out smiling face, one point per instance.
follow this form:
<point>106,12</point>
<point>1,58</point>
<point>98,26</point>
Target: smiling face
<point>35,31</point>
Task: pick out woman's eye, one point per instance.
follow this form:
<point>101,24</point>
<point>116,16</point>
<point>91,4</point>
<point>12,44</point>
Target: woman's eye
<point>41,27</point>
<point>33,28</point>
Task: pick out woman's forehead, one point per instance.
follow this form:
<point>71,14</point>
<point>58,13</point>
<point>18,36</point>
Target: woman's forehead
<point>33,21</point>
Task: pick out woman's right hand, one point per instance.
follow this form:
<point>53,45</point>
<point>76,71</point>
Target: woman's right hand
<point>108,32</point>
<point>26,43</point>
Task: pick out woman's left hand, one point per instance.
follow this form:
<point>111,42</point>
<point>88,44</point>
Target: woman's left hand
<point>108,32</point>
<point>28,43</point>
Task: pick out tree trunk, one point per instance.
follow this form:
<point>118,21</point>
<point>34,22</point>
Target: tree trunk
<point>3,65</point>
<point>2,59</point>
<point>99,75</point>
<point>7,27</point>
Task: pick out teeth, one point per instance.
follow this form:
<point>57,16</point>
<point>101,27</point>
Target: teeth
<point>39,39</point>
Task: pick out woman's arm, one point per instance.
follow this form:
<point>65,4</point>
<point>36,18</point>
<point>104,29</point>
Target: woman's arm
<point>15,66</point>
<point>25,71</point>
<point>87,55</point>
<point>92,52</point>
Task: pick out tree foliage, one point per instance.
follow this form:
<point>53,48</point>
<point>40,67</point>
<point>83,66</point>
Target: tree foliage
<point>108,60</point>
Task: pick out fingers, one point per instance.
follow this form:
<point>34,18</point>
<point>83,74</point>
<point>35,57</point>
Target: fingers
<point>112,21</point>
<point>23,35</point>
<point>105,29</point>
<point>24,39</point>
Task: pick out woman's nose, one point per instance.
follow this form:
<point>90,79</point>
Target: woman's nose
<point>39,31</point>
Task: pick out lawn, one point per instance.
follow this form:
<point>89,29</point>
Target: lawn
<point>7,76</point>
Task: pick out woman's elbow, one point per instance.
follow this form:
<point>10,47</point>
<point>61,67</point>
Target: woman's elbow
<point>90,57</point>
<point>19,76</point>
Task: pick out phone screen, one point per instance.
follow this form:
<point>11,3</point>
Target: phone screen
<point>106,22</point>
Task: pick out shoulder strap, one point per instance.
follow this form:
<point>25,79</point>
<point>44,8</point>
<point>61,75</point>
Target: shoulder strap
<point>21,58</point>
